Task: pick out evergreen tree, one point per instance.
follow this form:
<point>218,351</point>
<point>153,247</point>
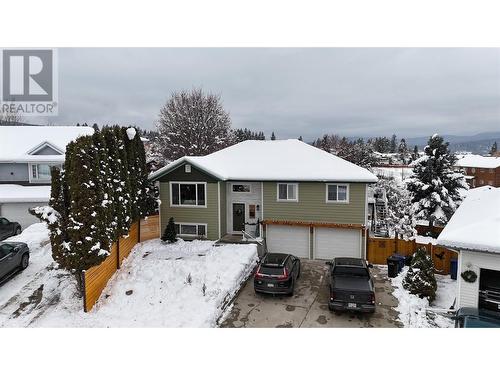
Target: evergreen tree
<point>434,185</point>
<point>420,279</point>
<point>273,137</point>
<point>169,234</point>
<point>399,219</point>
<point>494,148</point>
<point>403,151</point>
<point>393,144</point>
<point>124,191</point>
<point>193,123</point>
<point>415,154</point>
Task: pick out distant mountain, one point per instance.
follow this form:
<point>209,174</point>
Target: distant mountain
<point>477,144</point>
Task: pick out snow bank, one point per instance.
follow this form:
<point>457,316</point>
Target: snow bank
<point>415,312</point>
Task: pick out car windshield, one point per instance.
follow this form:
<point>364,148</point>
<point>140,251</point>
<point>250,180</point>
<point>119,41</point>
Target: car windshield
<point>274,271</point>
<point>350,271</point>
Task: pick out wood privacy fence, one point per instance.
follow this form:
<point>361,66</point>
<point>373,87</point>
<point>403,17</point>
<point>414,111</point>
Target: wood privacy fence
<point>96,278</point>
<point>379,249</point>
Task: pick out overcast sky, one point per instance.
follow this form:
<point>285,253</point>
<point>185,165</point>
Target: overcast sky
<point>308,92</point>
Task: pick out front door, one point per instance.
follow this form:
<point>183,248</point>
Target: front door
<point>238,217</point>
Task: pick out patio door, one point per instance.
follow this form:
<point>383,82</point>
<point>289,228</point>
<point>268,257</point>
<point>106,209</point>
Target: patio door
<point>238,217</point>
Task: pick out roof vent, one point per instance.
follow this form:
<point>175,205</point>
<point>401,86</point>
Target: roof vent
<point>187,168</point>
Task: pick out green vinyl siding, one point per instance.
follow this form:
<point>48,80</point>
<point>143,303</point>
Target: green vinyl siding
<point>223,200</point>
<point>203,215</point>
<point>312,204</point>
<point>180,174</point>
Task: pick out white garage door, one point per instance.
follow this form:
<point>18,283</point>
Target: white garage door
<point>19,212</point>
<point>335,242</point>
<point>288,239</point>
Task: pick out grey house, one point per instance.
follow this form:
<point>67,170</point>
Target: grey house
<point>302,200</point>
<point>26,155</point>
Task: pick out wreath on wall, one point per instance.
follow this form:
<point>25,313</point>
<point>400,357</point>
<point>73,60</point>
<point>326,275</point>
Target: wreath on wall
<point>469,276</point>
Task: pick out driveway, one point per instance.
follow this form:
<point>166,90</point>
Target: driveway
<point>308,307</point>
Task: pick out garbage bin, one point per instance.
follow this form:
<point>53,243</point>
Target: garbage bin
<point>401,261</point>
<point>392,266</point>
<point>454,268</point>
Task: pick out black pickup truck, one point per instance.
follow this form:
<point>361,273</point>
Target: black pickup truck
<point>351,286</point>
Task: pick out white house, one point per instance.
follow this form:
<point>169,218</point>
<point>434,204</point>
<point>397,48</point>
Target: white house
<point>26,155</point>
<point>474,231</point>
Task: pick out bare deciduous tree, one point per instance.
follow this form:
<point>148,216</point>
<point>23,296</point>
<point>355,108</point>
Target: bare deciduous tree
<point>193,123</point>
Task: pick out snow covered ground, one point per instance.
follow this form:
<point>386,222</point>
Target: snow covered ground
<point>415,312</point>
<point>398,174</point>
<point>186,284</point>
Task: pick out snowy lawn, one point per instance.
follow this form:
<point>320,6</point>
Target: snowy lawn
<point>415,312</point>
<point>159,285</point>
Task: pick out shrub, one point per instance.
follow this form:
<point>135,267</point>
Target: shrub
<point>170,235</point>
<point>420,279</point>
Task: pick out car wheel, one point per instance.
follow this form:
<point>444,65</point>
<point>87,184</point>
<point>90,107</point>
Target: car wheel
<point>330,308</point>
<point>298,273</point>
<point>25,260</point>
<point>18,231</point>
<point>292,289</point>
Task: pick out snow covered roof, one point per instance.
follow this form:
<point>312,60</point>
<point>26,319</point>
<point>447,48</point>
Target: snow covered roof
<point>478,161</point>
<point>280,160</point>
<point>476,223</point>
<point>18,142</point>
<point>10,193</point>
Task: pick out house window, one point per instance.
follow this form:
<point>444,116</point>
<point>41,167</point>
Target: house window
<point>188,194</point>
<point>192,230</point>
<point>251,211</point>
<point>288,192</point>
<point>42,172</point>
<point>337,193</point>
<point>241,188</point>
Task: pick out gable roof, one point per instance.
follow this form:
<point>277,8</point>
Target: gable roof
<point>478,161</point>
<point>476,223</point>
<point>280,160</point>
<point>19,142</point>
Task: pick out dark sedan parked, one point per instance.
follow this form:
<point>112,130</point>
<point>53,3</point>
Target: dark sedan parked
<point>13,256</point>
<point>8,228</point>
<point>277,274</point>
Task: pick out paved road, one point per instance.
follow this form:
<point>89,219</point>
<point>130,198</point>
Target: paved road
<point>308,307</point>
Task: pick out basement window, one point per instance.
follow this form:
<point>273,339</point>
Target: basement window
<point>191,230</point>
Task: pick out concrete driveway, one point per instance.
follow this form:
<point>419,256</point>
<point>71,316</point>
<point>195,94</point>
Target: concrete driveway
<point>308,307</point>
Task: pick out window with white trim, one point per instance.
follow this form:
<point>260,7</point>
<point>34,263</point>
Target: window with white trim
<point>337,193</point>
<point>42,172</point>
<point>288,192</point>
<point>188,194</point>
<point>194,230</point>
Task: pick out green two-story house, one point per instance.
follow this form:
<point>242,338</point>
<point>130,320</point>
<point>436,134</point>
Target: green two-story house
<point>302,200</point>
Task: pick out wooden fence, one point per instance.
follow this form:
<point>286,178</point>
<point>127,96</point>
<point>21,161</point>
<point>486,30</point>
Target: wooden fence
<point>379,249</point>
<point>96,278</point>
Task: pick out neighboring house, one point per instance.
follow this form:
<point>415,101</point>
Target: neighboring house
<point>303,200</point>
<point>27,154</point>
<point>480,170</point>
<point>474,231</point>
